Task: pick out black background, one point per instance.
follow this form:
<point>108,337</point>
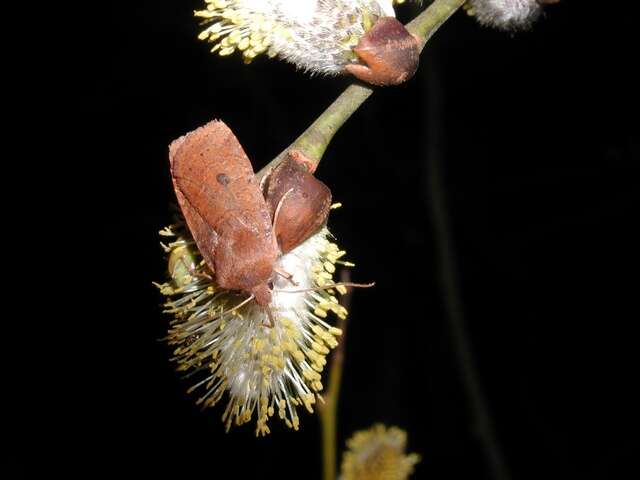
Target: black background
<point>537,141</point>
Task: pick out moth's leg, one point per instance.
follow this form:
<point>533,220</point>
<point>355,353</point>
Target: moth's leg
<point>286,275</point>
<point>270,323</point>
<point>388,52</point>
<point>203,274</point>
<point>192,269</point>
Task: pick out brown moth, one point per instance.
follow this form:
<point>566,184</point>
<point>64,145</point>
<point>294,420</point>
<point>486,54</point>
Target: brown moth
<point>299,203</point>
<point>224,209</point>
<point>229,219</point>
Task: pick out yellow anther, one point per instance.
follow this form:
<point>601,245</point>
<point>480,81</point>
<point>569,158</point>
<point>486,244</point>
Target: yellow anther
<point>309,400</point>
<point>204,14</point>
<point>325,275</point>
<point>243,44</point>
<point>227,51</point>
<point>331,341</point>
<point>298,355</point>
<point>319,348</point>
<point>249,55</point>
<point>235,36</point>
<point>311,375</point>
<point>326,306</point>
<point>258,49</point>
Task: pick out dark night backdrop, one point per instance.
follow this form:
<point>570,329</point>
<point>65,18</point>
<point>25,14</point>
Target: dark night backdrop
<point>536,141</point>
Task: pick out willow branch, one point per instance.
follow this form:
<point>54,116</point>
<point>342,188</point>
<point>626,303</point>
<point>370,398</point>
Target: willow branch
<point>315,139</point>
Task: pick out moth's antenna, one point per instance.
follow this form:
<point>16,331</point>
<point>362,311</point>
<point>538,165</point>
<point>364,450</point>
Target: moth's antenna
<point>272,321</point>
<point>244,302</point>
<point>327,287</point>
<point>285,275</point>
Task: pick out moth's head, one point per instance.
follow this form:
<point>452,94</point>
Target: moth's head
<point>262,295</point>
<point>244,257</point>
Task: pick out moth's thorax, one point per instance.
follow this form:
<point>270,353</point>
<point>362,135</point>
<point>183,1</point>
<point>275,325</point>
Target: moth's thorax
<point>262,295</point>
<point>246,254</point>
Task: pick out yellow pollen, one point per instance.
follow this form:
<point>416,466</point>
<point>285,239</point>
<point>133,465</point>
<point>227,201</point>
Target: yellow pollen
<point>319,312</point>
<point>258,370</point>
<point>227,51</point>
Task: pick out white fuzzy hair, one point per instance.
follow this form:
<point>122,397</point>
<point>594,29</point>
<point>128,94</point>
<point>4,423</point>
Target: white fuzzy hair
<point>317,36</point>
<point>507,15</point>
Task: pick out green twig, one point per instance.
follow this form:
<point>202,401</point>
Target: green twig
<point>315,139</point>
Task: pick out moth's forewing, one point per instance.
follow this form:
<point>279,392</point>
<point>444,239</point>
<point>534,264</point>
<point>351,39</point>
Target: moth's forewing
<point>302,202</point>
<point>224,208</point>
<point>204,235</point>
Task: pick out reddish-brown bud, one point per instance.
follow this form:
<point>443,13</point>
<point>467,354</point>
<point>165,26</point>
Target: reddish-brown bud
<point>390,54</point>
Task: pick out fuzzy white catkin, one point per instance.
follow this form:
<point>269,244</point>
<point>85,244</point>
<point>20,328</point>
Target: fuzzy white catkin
<point>507,15</point>
<point>315,35</point>
<point>317,41</point>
